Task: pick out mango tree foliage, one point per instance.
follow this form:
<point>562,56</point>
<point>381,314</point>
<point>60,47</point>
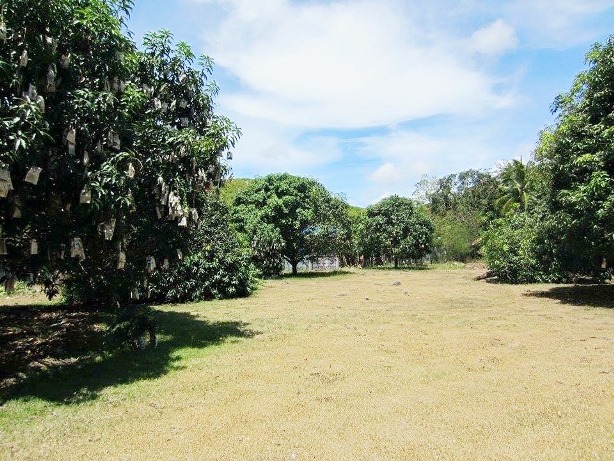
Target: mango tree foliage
<point>396,229</point>
<point>577,160</point>
<point>290,217</point>
<point>106,151</point>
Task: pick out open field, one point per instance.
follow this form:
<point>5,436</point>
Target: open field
<point>348,367</point>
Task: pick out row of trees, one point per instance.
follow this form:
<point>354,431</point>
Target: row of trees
<point>292,219</point>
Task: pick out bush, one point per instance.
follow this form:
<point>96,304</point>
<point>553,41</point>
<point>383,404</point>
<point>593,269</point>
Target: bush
<point>521,248</point>
<point>217,266</point>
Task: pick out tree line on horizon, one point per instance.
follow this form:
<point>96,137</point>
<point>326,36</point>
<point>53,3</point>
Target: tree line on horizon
<point>550,219</point>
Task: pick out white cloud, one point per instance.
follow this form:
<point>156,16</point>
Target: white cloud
<point>267,147</point>
<point>376,66</point>
<point>494,39</point>
<point>345,65</point>
<point>386,173</point>
<point>561,23</point>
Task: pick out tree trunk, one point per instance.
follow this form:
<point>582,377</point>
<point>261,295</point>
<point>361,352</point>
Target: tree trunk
<point>294,268</point>
<point>396,263</point>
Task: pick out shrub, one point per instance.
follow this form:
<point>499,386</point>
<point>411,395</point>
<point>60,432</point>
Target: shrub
<point>216,266</point>
<point>521,248</point>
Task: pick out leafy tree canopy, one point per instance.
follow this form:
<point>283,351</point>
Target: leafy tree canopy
<point>107,153</point>
<point>577,161</point>
<point>291,217</point>
<point>461,205</point>
<point>396,228</point>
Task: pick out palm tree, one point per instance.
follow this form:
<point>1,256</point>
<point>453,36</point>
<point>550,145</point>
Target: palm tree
<point>514,186</point>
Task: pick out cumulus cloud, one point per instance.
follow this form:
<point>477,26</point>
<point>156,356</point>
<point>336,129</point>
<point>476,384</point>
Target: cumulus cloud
<point>340,89</point>
<point>494,39</point>
<point>344,65</point>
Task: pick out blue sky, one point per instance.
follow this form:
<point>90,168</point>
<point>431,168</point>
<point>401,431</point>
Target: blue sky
<point>367,96</point>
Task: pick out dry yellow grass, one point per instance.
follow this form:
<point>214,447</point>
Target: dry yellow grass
<point>355,367</point>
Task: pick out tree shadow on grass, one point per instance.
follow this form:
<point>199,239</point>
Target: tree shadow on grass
<point>61,356</point>
<point>315,274</point>
<point>417,267</point>
<point>580,295</point>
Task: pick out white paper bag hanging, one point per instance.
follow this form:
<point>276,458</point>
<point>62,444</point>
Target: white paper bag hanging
<point>86,196</point>
<point>2,30</point>
<point>65,60</point>
<point>184,121</point>
<point>71,136</point>
<point>183,103</point>
<point>51,79</point>
<point>23,59</point>
<point>5,178</point>
<point>164,197</point>
<point>164,107</point>
<point>3,249</point>
<point>76,249</point>
<point>33,247</point>
<point>157,104</point>
<point>4,189</point>
<point>86,159</point>
<point>72,150</point>
<point>121,260</point>
<point>158,212</point>
<point>114,141</point>
<point>33,174</point>
<point>130,172</point>
<point>40,101</point>
<point>109,229</point>
<point>52,43</point>
<point>166,264</point>
<point>151,264</point>
<point>17,213</point>
<point>134,294</point>
<point>183,222</point>
<point>32,93</point>
<point>99,148</point>
<point>194,215</point>
<point>179,254</point>
<point>183,78</point>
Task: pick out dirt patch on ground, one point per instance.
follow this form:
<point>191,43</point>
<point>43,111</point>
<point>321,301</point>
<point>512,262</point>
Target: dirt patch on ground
<point>372,365</point>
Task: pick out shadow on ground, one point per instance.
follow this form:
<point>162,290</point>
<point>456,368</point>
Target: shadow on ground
<point>58,354</point>
<point>580,295</point>
<point>418,267</point>
<point>315,275</point>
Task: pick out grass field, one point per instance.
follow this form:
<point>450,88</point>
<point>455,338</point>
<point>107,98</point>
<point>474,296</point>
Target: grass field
<point>368,365</point>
